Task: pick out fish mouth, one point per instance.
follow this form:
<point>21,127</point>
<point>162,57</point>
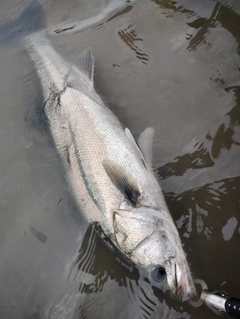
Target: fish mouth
<point>180,281</point>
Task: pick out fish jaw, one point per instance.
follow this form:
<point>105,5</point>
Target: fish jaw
<point>179,279</point>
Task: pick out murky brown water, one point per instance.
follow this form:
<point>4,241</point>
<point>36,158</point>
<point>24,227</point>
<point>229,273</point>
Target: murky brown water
<point>171,65</point>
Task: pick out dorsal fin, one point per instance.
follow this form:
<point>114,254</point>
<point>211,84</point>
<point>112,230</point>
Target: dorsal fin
<point>122,180</point>
<point>145,142</point>
<point>144,147</point>
<point>85,62</point>
<point>133,143</point>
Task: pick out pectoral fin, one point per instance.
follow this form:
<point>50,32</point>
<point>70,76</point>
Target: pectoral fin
<point>122,180</point>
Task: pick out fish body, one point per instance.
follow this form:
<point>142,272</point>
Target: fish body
<point>109,174</point>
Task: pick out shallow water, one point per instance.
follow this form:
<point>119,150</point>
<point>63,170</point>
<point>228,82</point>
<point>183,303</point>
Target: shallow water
<point>170,65</point>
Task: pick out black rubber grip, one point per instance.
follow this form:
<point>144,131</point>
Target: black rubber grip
<point>232,306</point>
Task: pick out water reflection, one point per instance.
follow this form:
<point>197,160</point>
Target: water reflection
<point>94,16</point>
<point>170,7</point>
<point>227,134</point>
<point>229,229</point>
<point>203,205</point>
<point>222,14</point>
<point>202,25</point>
<point>198,159</point>
<point>207,219</point>
<point>120,13</point>
<point>39,235</point>
<point>92,260</point>
<point>130,38</point>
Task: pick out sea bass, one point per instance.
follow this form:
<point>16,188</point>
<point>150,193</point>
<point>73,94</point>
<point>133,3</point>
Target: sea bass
<point>109,174</point>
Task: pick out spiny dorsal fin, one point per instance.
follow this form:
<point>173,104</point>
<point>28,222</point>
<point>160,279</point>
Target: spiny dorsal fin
<point>122,180</point>
<point>145,142</point>
<point>85,62</point>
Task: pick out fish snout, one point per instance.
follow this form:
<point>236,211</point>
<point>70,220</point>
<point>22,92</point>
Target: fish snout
<point>180,280</point>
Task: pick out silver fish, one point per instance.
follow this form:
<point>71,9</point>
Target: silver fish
<point>109,174</point>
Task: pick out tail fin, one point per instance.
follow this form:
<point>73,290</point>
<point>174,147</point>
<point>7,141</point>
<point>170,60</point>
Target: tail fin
<point>30,20</point>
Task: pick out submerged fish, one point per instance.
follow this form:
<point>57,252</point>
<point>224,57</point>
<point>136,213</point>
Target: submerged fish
<point>109,174</point>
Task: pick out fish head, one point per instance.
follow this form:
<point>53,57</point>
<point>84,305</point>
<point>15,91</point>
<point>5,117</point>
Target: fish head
<point>150,239</point>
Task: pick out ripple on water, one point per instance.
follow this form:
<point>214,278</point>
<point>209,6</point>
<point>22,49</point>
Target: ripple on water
<point>108,285</point>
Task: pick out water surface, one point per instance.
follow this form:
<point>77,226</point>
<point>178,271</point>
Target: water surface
<point>170,65</point>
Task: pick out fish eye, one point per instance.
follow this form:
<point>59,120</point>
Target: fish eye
<point>158,274</point>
